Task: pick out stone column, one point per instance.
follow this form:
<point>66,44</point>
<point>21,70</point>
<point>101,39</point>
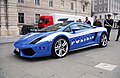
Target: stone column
<point>0,17</point>
<point>13,18</point>
<point>9,18</point>
<point>3,30</point>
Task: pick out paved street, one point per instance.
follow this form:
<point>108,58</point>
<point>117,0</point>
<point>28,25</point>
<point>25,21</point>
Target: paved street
<point>78,64</point>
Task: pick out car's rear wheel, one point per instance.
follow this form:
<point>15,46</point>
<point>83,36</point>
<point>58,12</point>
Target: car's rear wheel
<point>60,47</point>
<point>103,40</point>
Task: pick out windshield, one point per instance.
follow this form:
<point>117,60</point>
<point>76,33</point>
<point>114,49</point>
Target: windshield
<point>41,21</point>
<point>54,27</point>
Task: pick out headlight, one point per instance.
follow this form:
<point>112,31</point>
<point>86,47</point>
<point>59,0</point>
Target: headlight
<point>36,40</point>
<point>17,49</point>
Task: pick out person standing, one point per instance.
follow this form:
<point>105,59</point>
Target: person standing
<point>97,23</point>
<point>118,35</point>
<point>108,23</point>
<point>87,21</point>
<point>79,20</point>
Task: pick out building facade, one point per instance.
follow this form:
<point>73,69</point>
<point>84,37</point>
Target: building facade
<point>16,13</point>
<point>101,8</point>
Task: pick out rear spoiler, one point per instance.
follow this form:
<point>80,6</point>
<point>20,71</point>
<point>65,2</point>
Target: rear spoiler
<point>65,20</point>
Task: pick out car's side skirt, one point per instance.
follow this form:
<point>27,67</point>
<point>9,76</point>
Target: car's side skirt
<point>84,47</point>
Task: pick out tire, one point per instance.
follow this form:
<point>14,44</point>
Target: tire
<point>103,40</point>
<point>60,47</point>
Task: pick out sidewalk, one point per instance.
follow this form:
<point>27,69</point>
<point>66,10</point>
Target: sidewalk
<point>8,39</point>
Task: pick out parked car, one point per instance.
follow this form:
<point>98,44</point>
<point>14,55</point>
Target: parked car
<point>59,39</point>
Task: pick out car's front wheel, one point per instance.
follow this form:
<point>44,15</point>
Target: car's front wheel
<point>103,40</point>
<point>60,47</point>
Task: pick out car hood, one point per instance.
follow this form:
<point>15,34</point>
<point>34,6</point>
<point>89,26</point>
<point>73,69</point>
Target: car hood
<point>26,39</point>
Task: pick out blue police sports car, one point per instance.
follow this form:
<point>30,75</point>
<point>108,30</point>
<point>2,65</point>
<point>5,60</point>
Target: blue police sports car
<point>59,39</point>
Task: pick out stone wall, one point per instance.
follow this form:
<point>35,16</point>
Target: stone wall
<point>30,9</point>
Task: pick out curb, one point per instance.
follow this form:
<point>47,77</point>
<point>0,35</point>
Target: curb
<point>8,39</point>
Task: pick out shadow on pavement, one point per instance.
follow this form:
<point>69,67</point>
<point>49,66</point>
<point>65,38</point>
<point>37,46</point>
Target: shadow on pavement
<point>83,50</point>
<point>33,59</point>
<point>53,58</point>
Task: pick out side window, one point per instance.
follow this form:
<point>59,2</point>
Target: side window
<point>46,21</point>
<point>67,29</point>
<point>75,26</point>
<point>83,27</point>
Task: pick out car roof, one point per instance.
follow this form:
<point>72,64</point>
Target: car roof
<point>79,23</point>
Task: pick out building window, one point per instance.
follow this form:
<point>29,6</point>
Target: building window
<point>105,1</point>
<point>37,16</point>
<point>21,1</point>
<point>62,3</point>
<point>114,6</point>
<point>116,17</point>
<point>20,17</point>
<point>94,9</point>
<point>72,6</point>
<point>100,16</point>
<point>105,9</point>
<point>95,17</point>
<point>83,8</point>
<point>50,3</point>
<point>100,9</point>
<point>100,1</point>
<point>117,8</point>
<point>37,2</point>
<point>105,16</point>
<point>95,3</point>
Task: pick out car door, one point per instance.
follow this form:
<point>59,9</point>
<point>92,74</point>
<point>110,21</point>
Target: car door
<point>81,37</point>
<point>87,35</point>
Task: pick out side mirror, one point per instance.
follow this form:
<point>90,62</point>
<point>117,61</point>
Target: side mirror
<point>75,29</point>
<point>46,21</point>
<point>94,26</point>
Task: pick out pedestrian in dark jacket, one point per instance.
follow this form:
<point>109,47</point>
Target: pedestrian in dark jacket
<point>108,23</point>
<point>118,35</point>
<point>87,21</point>
<point>97,23</point>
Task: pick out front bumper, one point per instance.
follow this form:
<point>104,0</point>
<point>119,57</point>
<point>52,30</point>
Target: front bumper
<point>16,52</point>
<point>33,50</point>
